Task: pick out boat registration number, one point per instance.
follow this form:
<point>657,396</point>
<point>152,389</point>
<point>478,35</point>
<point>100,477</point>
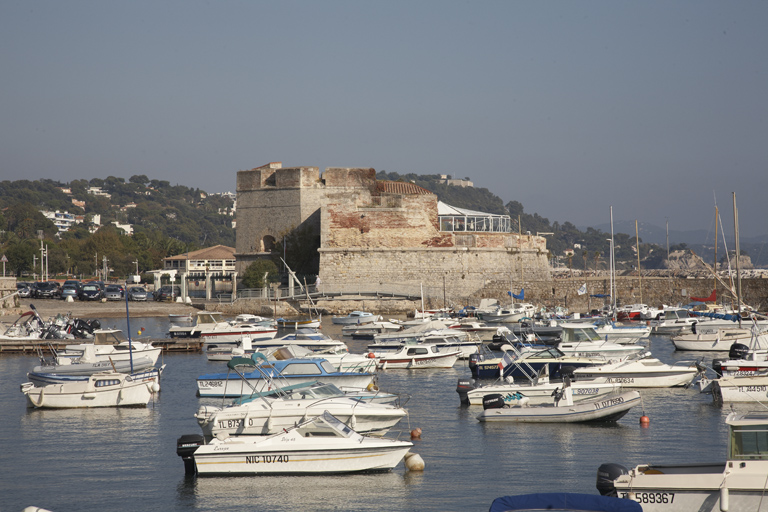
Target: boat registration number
<point>620,380</point>
<point>234,423</point>
<point>649,497</point>
<point>609,402</point>
<point>265,459</point>
<point>752,389</point>
<point>585,391</point>
<point>211,383</point>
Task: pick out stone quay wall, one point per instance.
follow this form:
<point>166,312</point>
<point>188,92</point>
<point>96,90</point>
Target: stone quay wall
<point>656,291</point>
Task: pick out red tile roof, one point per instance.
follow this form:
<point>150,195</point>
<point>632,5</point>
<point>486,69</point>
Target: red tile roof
<point>400,187</point>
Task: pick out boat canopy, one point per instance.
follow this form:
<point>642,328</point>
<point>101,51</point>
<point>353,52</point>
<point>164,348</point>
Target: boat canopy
<point>733,318</point>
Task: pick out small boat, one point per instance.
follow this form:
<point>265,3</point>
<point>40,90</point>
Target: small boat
<point>321,445</point>
<point>43,379</point>
<point>510,314</point>
<point>247,379</point>
<point>311,323</point>
<point>104,389</point>
<point>369,330</point>
<point>718,340</point>
<point>563,501</point>
<point>674,321</point>
<point>87,363</point>
<point>642,372</point>
<point>738,483</point>
<point>355,318</point>
<point>110,345</point>
<point>581,340</point>
<point>562,410</point>
<point>269,413</point>
<point>180,317</point>
<point>421,355</point>
<point>621,334</point>
<point>432,331</point>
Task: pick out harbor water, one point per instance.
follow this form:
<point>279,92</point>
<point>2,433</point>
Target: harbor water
<point>125,459</point>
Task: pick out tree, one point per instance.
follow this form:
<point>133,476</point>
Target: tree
<point>253,277</point>
<point>141,179</point>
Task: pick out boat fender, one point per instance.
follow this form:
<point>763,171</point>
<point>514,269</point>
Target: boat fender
<point>493,401</point>
<point>606,475</point>
<point>414,462</point>
<point>725,501</point>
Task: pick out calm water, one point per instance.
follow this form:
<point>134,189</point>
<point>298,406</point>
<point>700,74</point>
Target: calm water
<point>125,459</point>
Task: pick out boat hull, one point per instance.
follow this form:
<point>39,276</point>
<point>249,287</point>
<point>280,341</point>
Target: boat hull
<point>87,394</point>
<point>412,363</point>
<point>540,394</point>
<point>609,408</point>
<point>751,389</point>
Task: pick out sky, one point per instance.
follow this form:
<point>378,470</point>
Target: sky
<point>657,108</point>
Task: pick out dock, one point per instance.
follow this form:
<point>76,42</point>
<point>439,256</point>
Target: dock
<point>31,346</point>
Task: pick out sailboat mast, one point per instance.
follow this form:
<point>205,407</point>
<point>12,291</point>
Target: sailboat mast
<point>738,266</point>
<point>715,265</point>
<point>613,270</point>
<point>639,275</point>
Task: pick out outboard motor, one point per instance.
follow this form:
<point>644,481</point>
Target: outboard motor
<point>463,387</point>
<point>473,360</point>
<point>606,474</point>
<point>186,446</point>
<point>738,351</point>
<point>493,401</point>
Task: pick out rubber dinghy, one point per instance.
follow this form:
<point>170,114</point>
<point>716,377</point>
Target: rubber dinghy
<point>563,410</point>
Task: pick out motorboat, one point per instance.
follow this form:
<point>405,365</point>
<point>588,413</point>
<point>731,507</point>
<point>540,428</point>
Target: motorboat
<point>369,330</point>
<point>642,372</point>
<point>510,314</point>
<point>422,355</point>
<point>533,390</point>
<point>433,331</point>
<point>674,321</point>
<point>740,388</point>
<point>254,319</point>
<point>718,340</point>
<point>243,378</point>
<point>472,326</point>
<point>303,323</point>
<point>265,414</point>
<point>561,410</point>
<point>355,318</point>
<point>738,483</point>
<point>582,340</point>
<point>320,445</point>
<point>87,363</point>
<point>104,389</point>
<point>211,327</point>
<point>339,357</point>
<point>634,312</point>
<point>535,358</point>
<point>43,379</point>
<point>567,501</point>
<point>622,334</point>
<point>110,345</point>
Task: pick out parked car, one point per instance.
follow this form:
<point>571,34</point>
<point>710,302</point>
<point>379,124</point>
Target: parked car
<point>69,290</point>
<point>167,292</point>
<point>45,290</point>
<point>137,293</point>
<point>90,291</point>
<point>113,292</point>
<point>72,282</point>
<point>24,289</point>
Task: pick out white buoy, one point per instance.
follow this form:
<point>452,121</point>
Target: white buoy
<point>414,462</point>
<point>155,387</point>
<point>725,502</point>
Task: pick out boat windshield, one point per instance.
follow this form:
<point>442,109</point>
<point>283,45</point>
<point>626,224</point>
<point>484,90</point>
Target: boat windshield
<point>581,334</point>
<point>749,442</point>
<point>320,391</point>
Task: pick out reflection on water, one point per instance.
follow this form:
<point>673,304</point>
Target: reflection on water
<point>125,459</point>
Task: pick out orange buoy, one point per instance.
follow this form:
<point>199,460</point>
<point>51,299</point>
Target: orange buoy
<point>416,433</point>
<point>371,355</point>
<point>645,420</point>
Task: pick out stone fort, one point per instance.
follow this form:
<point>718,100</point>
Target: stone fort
<point>373,233</point>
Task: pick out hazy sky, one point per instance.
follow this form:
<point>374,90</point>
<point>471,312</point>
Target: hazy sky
<point>653,107</point>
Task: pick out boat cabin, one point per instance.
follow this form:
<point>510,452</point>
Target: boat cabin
<point>748,436</point>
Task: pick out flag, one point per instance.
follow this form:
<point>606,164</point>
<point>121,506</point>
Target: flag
<point>583,289</point>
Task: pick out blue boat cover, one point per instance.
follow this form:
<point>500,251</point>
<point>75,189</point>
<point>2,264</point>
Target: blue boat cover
<point>564,501</point>
<point>732,318</point>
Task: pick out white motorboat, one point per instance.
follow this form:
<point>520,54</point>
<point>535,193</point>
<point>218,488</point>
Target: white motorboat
<point>582,340</point>
<point>110,345</point>
<point>369,330</point>
<point>480,329</point>
<point>356,318</point>
<point>211,327</point>
<point>717,340</point>
<point>621,334</point>
<point>562,410</point>
<point>674,321</point>
<point>538,390</point>
<point>104,389</point>
<point>303,323</point>
<point>740,388</point>
<point>642,372</point>
<point>735,484</point>
<point>510,314</point>
<point>284,408</point>
<point>321,445</point>
<point>87,364</point>
<point>339,357</point>
<point>434,331</point>
<point>422,355</point>
<point>247,378</point>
